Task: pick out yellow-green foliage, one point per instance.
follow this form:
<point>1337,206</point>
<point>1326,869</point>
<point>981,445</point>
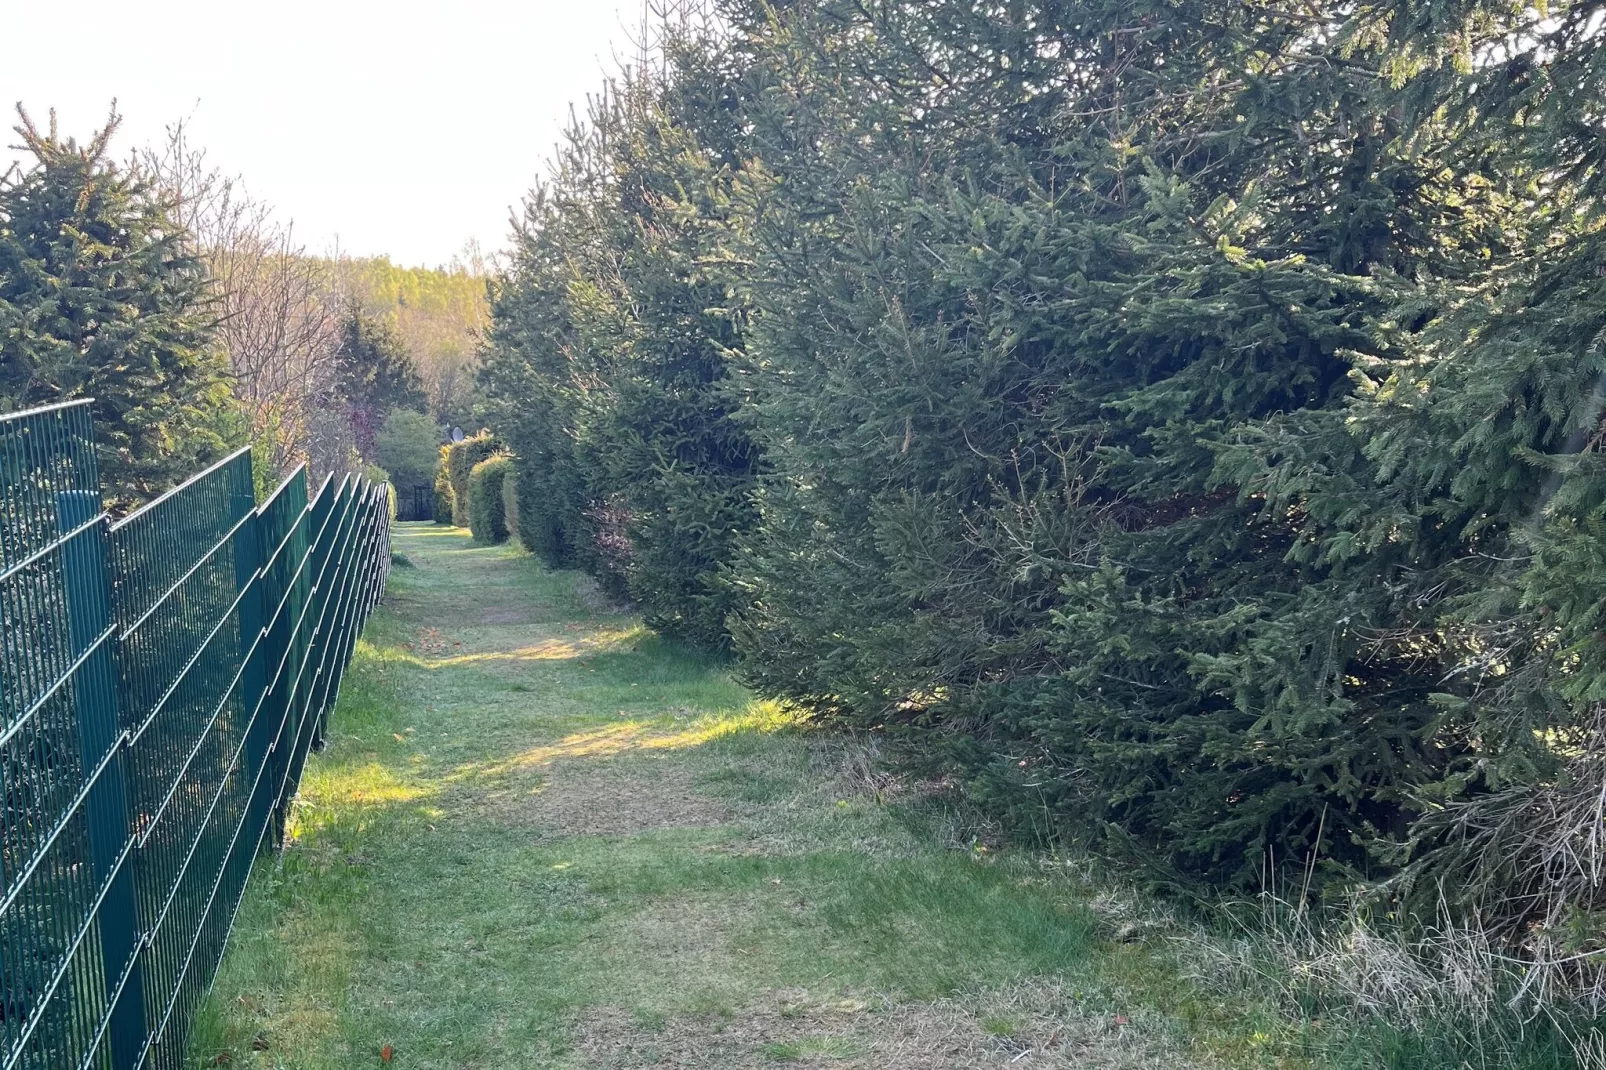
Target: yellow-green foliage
<point>437,312</point>
<point>455,293</point>
<point>461,457</point>
<point>486,518</point>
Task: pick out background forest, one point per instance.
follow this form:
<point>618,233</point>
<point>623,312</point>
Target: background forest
<point>1180,420</point>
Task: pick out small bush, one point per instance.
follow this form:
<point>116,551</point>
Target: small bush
<point>486,518</point>
<point>461,457</point>
<point>379,477</point>
<point>510,501</point>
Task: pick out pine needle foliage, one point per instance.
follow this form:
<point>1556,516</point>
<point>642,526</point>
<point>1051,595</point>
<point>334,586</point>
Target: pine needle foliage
<point>607,364</point>
<point>375,377</point>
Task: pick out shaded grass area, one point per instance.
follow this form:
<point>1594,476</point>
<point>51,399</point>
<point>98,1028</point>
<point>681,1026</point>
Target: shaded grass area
<point>540,838</point>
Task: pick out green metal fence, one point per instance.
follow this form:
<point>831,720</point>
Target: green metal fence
<point>162,679</point>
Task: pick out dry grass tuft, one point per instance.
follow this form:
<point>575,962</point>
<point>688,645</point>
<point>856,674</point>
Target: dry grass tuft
<point>1442,972</point>
<point>595,600</point>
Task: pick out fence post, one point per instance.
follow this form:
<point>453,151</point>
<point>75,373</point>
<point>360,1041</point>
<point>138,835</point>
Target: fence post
<point>86,585</point>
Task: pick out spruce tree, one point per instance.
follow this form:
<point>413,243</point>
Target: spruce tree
<point>1179,418</point>
<point>101,295</point>
<point>1010,312</point>
<point>609,353</point>
<point>375,376</point>
<point>532,399</point>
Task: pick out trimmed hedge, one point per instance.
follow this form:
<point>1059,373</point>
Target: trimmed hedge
<point>444,498</point>
<point>487,517</point>
<point>510,501</point>
<point>461,457</point>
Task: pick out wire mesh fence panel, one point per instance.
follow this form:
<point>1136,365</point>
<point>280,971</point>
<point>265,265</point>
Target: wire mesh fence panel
<point>62,829</point>
<point>162,679</point>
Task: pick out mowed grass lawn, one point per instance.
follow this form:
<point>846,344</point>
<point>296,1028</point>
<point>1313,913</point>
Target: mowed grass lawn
<point>539,838</point>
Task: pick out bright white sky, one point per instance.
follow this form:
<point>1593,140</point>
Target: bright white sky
<point>399,129</point>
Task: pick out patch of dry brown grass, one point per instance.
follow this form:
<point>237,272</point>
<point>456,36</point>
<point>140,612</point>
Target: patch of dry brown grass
<point>602,796</point>
<point>1040,1023</point>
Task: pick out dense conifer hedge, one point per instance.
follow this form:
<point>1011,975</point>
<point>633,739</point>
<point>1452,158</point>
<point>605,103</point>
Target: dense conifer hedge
<point>103,296</point>
<point>1183,417</point>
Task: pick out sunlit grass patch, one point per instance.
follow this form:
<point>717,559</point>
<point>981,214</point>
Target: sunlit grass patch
<point>369,783</point>
<point>660,734</point>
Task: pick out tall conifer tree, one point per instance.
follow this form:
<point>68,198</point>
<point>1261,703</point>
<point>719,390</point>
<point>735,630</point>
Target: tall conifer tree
<point>375,376</point>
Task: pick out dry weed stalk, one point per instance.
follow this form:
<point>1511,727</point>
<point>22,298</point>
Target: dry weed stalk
<point>1527,863</point>
<point>1442,972</point>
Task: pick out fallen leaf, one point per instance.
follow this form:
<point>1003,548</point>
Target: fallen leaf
<point>399,737</point>
<point>222,1058</point>
<point>387,1053</point>
<point>1121,1019</point>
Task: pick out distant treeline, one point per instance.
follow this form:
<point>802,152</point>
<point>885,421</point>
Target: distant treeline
<point>1183,417</point>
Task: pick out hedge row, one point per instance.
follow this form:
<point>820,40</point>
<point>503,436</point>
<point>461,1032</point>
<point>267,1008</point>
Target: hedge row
<point>486,518</point>
<point>510,501</point>
<point>458,461</point>
<point>1184,423</point>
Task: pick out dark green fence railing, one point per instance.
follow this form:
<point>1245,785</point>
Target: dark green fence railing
<point>162,679</point>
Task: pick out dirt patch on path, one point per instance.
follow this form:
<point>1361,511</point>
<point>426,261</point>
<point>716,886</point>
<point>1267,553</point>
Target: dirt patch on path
<point>1036,1024</point>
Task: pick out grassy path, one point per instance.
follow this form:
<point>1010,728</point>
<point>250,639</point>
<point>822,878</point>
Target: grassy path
<point>539,839</point>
